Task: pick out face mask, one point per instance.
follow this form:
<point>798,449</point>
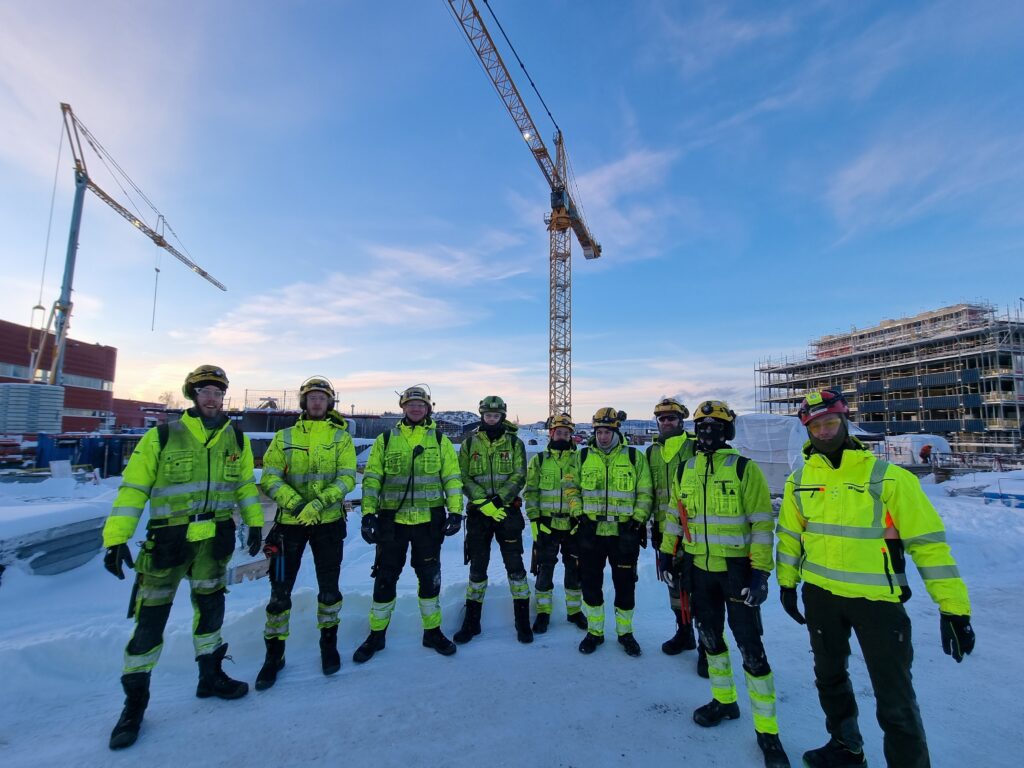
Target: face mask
<point>560,445</point>
<point>831,445</point>
<point>710,435</point>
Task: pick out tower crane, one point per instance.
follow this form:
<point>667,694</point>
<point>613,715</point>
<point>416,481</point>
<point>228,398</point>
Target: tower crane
<point>564,216</point>
<point>60,313</point>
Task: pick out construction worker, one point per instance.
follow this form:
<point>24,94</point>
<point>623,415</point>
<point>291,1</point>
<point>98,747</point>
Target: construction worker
<point>846,519</point>
<point>726,560</point>
<point>671,447</point>
<point>308,470</point>
<point>411,477</point>
<point>492,461</point>
<point>193,473</point>
<point>615,484</point>
<point>552,504</point>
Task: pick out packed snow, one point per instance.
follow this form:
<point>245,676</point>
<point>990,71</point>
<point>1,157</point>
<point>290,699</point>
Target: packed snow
<point>496,702</point>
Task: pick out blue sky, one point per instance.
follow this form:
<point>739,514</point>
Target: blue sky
<point>758,175</point>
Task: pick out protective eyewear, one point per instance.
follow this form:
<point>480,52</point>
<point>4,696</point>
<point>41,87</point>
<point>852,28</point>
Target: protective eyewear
<point>212,393</point>
<point>825,426</point>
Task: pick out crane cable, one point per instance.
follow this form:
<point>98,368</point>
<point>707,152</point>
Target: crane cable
<point>49,224</point>
<point>522,66</point>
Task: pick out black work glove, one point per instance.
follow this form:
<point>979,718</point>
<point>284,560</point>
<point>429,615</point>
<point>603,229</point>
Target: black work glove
<point>452,524</point>
<point>791,604</point>
<point>757,591</point>
<point>120,553</point>
<point>496,500</point>
<point>957,635</point>
<point>368,529</point>
<point>665,561</point>
<point>255,540</point>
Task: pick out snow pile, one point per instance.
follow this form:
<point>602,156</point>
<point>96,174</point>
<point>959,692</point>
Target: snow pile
<point>496,702</point>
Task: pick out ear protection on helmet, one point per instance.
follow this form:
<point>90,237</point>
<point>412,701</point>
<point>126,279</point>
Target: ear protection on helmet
<point>213,374</point>
<point>317,384</point>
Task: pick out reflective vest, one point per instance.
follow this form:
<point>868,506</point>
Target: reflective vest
<point>410,470</point>
<point>832,530</point>
<point>311,460</point>
<point>195,479</point>
<point>492,468</point>
<point>727,515</point>
<point>615,486</point>
<point>552,488</point>
<point>664,456</point>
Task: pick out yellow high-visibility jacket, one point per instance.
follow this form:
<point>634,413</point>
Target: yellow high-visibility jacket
<point>833,523</point>
<point>196,479</point>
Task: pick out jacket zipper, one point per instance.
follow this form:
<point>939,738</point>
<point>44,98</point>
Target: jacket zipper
<point>708,465</point>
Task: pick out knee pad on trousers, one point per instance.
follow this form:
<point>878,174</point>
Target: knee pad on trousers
<point>149,630</point>
<point>713,643</point>
<point>280,599</point>
<point>755,661</point>
<point>329,597</point>
<point>211,612</point>
<point>429,576</point>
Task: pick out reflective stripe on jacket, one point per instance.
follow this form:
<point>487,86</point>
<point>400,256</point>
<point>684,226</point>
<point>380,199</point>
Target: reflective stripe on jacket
<point>664,456</point>
<point>198,472</point>
<point>832,529</point>
<point>493,468</point>
<point>311,460</point>
<point>553,489</point>
<point>614,488</point>
<point>396,480</point>
<point>727,516</point>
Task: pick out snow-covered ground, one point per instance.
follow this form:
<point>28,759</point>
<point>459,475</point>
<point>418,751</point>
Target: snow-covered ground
<point>495,702</point>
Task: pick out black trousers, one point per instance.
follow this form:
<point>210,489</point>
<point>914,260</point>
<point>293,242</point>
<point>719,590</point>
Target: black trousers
<point>481,530</point>
<point>327,542</point>
<point>883,631</point>
<point>424,539</point>
<point>716,596</point>
<point>548,547</point>
<point>621,553</point>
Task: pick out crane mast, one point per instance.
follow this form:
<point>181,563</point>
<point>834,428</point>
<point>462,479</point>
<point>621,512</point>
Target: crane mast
<point>60,314</point>
<point>564,216</point>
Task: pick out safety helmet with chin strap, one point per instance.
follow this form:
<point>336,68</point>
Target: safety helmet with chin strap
<point>720,410</point>
<point>493,404</point>
<point>317,384</point>
<point>201,376</point>
<point>669,406</point>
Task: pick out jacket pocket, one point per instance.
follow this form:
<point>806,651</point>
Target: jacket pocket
<point>177,466</point>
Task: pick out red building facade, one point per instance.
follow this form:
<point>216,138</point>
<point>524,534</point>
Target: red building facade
<point>88,375</point>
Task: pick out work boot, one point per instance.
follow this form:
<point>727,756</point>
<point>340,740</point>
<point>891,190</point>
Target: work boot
<point>589,643</point>
<point>471,623</point>
<point>373,643</point>
<point>630,644</point>
<point>702,663</point>
<point>273,664</point>
<point>835,754</point>
<point>213,681</point>
<point>136,697</point>
<point>434,638</point>
<point>578,619</point>
<point>330,660</point>
<point>522,616</point>
<point>714,712</point>
<point>681,641</point>
<point>540,624</point>
<point>771,747</point>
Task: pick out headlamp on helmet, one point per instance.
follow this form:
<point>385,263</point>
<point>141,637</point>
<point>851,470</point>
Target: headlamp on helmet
<point>609,418</point>
<point>720,410</point>
<point>493,404</point>
<point>204,375</point>
<point>817,404</point>
<point>419,392</point>
<point>317,384</point>
<point>671,407</point>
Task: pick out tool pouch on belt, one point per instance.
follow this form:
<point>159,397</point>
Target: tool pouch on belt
<point>514,523</point>
<point>224,539</point>
<point>437,515</point>
<point>683,567</point>
<point>167,546</point>
<point>738,576</point>
<point>898,558</point>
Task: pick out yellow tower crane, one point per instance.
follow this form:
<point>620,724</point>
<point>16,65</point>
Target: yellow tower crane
<point>565,214</point>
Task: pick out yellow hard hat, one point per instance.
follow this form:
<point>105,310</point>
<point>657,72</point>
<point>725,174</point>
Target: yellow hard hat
<point>670,405</point>
<point>608,417</point>
<point>204,374</point>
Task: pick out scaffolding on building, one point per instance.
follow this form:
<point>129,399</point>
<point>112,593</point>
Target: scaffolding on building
<point>956,371</point>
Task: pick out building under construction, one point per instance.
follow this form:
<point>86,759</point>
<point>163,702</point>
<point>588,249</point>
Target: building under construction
<point>956,371</point>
